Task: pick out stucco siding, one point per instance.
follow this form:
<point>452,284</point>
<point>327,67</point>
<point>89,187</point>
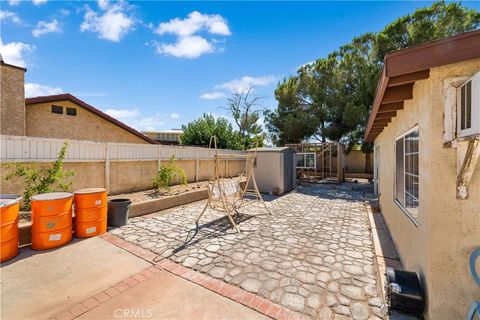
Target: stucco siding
<point>448,229</point>
<point>41,122</point>
<point>12,101</point>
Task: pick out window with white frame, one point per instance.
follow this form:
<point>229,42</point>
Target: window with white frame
<point>407,173</point>
<point>468,107</point>
<point>306,160</point>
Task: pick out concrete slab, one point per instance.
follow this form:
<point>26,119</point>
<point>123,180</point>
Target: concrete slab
<point>40,284</point>
<point>166,296</point>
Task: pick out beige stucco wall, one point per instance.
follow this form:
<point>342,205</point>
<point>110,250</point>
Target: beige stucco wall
<point>125,176</point>
<point>12,100</point>
<point>449,229</point>
<point>41,122</point>
<point>355,161</point>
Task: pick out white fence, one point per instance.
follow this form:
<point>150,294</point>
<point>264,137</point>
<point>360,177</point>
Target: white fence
<point>29,149</point>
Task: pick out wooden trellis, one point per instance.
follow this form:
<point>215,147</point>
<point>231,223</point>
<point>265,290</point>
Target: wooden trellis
<point>228,195</point>
<point>328,165</point>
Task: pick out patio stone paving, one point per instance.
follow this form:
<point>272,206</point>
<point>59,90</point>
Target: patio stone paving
<point>314,255</point>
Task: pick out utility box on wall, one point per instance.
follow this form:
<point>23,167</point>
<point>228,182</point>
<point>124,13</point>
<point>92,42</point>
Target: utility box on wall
<point>275,170</point>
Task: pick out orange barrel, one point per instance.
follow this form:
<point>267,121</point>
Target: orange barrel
<point>90,212</point>
<point>51,220</point>
<point>9,208</point>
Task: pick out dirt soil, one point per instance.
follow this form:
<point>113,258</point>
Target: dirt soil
<point>140,196</point>
<point>151,194</point>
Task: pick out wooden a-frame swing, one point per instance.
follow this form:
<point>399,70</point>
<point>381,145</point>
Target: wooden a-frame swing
<point>228,196</point>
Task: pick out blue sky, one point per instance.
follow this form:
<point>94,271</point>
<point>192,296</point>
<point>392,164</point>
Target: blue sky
<point>157,65</point>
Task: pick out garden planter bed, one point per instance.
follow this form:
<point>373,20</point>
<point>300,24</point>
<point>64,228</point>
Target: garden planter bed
<point>143,202</point>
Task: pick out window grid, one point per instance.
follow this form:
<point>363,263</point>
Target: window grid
<point>407,173</point>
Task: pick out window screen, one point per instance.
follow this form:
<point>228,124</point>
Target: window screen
<point>306,160</point>
<point>399,194</point>
<point>71,111</point>
<point>407,173</point>
<point>57,109</point>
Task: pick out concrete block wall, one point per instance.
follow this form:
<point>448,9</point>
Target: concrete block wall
<point>126,176</point>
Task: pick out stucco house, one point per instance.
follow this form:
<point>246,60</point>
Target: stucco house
<point>62,116</point>
<point>425,126</point>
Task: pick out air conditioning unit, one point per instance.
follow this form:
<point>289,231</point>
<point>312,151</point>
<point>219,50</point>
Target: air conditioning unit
<point>404,293</point>
<point>468,107</point>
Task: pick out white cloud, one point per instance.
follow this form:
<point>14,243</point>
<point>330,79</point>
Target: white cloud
<point>64,12</point>
<point>44,27</point>
<point>185,47</point>
<point>123,113</point>
<point>14,2</point>
<point>103,4</point>
<point>37,90</point>
<point>195,22</point>
<point>213,95</point>
<point>113,24</point>
<point>39,2</point>
<point>174,116</point>
<point>135,119</point>
<point>15,52</point>
<point>188,43</point>
<point>243,83</point>
<point>9,15</point>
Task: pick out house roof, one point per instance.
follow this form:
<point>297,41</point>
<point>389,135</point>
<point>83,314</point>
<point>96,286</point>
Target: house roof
<point>403,67</point>
<point>10,65</point>
<point>69,97</point>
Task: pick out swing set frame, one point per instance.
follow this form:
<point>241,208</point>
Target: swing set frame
<point>218,196</point>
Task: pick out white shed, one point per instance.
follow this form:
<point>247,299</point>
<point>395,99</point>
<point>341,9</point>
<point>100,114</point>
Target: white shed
<point>275,170</point>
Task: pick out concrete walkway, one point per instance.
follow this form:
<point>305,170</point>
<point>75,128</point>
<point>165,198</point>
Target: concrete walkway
<point>95,279</point>
<point>166,296</point>
<point>40,284</point>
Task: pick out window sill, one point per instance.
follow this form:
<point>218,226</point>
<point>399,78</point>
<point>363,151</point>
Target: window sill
<point>405,211</point>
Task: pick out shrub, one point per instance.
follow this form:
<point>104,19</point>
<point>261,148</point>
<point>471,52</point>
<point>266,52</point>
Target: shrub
<point>168,174</point>
<point>41,180</point>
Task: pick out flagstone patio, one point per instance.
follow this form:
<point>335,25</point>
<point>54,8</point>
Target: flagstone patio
<point>314,255</point>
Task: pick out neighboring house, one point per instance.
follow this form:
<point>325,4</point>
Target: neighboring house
<point>166,136</point>
<point>64,116</point>
<point>12,99</point>
<point>60,116</point>
<point>425,126</point>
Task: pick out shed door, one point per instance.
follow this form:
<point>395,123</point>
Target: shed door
<point>288,165</point>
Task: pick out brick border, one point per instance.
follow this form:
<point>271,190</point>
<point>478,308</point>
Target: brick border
<point>107,294</point>
<point>252,301</point>
<point>145,254</point>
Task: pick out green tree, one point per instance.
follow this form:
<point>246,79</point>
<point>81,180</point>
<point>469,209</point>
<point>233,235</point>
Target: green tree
<point>331,98</point>
<point>199,131</point>
<point>41,180</point>
<point>291,121</point>
<point>440,20</point>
